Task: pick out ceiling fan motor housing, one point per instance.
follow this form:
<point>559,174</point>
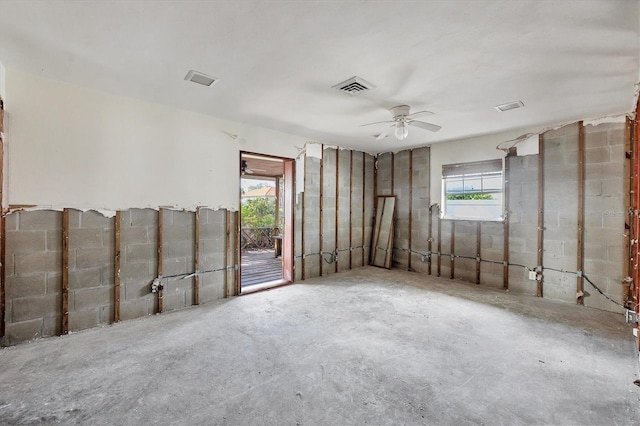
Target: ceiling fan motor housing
<point>399,112</point>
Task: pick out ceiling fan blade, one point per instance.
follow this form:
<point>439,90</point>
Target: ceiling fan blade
<point>385,133</point>
<point>426,126</point>
<point>419,114</point>
<point>377,122</point>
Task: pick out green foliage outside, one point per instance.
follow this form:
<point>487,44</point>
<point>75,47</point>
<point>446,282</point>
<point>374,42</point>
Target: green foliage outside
<point>258,212</point>
<point>470,196</point>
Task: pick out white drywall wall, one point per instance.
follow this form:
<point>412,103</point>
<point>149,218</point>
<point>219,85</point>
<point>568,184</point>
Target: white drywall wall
<point>74,147</point>
<point>2,81</point>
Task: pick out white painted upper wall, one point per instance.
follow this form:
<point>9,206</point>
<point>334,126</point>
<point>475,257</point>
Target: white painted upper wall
<point>68,146</point>
<point>2,81</point>
<point>478,148</point>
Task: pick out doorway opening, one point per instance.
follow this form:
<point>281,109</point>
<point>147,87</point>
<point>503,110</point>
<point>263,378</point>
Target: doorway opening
<point>266,221</point>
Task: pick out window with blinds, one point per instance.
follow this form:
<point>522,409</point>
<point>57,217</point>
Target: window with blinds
<point>473,191</point>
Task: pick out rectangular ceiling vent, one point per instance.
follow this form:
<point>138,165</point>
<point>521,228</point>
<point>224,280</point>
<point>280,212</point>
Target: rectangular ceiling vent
<point>510,105</point>
<point>354,86</point>
<point>200,78</point>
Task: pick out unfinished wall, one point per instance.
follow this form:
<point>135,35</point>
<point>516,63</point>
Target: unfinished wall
<point>34,267</point>
<point>334,212</point>
<point>149,155</point>
<point>604,226</point>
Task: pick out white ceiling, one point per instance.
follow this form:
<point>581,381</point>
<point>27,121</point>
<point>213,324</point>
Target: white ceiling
<point>277,60</point>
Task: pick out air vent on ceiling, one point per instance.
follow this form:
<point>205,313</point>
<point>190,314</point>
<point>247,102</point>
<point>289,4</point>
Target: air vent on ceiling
<point>354,86</point>
<point>200,78</point>
<point>508,106</point>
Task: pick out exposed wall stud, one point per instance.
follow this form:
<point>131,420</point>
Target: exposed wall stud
<point>65,271</point>
<point>117,274</point>
<point>439,244</point>
<point>321,203</point>
<point>196,257</point>
<point>160,293</point>
<point>350,209</point>
<point>580,237</point>
<point>364,185</point>
<point>335,263</point>
<point>302,234</point>
<point>478,251</point>
<point>430,239</point>
<point>236,253</point>
<point>3,253</point>
<point>628,219</point>
<point>505,245</point>
<point>540,273</point>
<point>227,245</point>
<point>453,248</point>
<point>410,254</point>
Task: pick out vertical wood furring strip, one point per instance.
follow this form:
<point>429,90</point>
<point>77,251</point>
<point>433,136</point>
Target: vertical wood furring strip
<point>117,266</point>
<point>453,248</point>
<point>351,209</point>
<point>236,253</point>
<point>393,172</point>
<point>196,257</point>
<point>628,220</point>
<point>227,234</point>
<point>410,253</point>
<point>439,244</point>
<point>3,254</point>
<point>478,250</point>
<point>364,185</point>
<point>429,238</point>
<point>539,269</point>
<point>65,271</point>
<point>335,258</point>
<point>321,203</point>
<point>160,260</point>
<point>580,236</point>
<point>302,202</point>
<point>505,244</point>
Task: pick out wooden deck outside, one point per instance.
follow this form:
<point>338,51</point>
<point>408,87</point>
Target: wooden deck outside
<point>260,266</point>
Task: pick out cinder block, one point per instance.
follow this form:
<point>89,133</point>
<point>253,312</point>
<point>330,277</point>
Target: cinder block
<point>137,289</point>
<point>133,235</point>
<point>93,219</point>
<point>81,320</point>
<point>595,139</point>
<point>25,285</point>
<point>179,249</point>
<point>11,221</point>
<point>597,155</point>
<point>54,282</point>
<point>177,233</point>
<point>85,238</point>
<point>137,308</point>
<point>39,220</point>
<point>26,241</point>
<point>92,257</point>
<point>52,325</point>
<point>134,272</point>
<point>140,253</point>
<point>28,308</point>
<point>177,266</point>
<point>26,263</point>
<point>54,240</point>
<point>92,298</point>
<point>23,331</point>
<point>84,278</point>
<point>174,300</point>
<point>144,217</point>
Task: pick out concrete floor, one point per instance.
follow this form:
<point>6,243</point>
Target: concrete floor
<point>368,346</point>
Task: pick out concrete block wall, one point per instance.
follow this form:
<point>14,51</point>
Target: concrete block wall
<point>33,275</point>
<point>91,270</point>
<point>605,215</point>
<point>420,207</point>
<point>212,248</point>
<point>178,258</point>
<point>349,212</point>
<point>34,267</point>
<point>523,221</point>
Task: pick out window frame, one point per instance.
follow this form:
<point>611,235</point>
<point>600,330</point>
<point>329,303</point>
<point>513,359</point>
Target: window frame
<point>476,170</point>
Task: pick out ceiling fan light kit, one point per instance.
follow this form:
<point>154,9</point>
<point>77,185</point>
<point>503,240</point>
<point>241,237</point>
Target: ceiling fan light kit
<point>400,119</point>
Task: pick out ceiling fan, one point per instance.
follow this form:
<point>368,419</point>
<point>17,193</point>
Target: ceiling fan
<point>246,170</point>
<point>401,118</point>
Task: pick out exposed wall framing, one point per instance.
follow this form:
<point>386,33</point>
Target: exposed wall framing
<point>65,271</point>
<point>540,273</point>
<point>580,233</point>
<point>117,266</point>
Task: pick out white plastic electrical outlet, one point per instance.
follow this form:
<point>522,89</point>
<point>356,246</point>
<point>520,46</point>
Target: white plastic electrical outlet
<point>532,275</point>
